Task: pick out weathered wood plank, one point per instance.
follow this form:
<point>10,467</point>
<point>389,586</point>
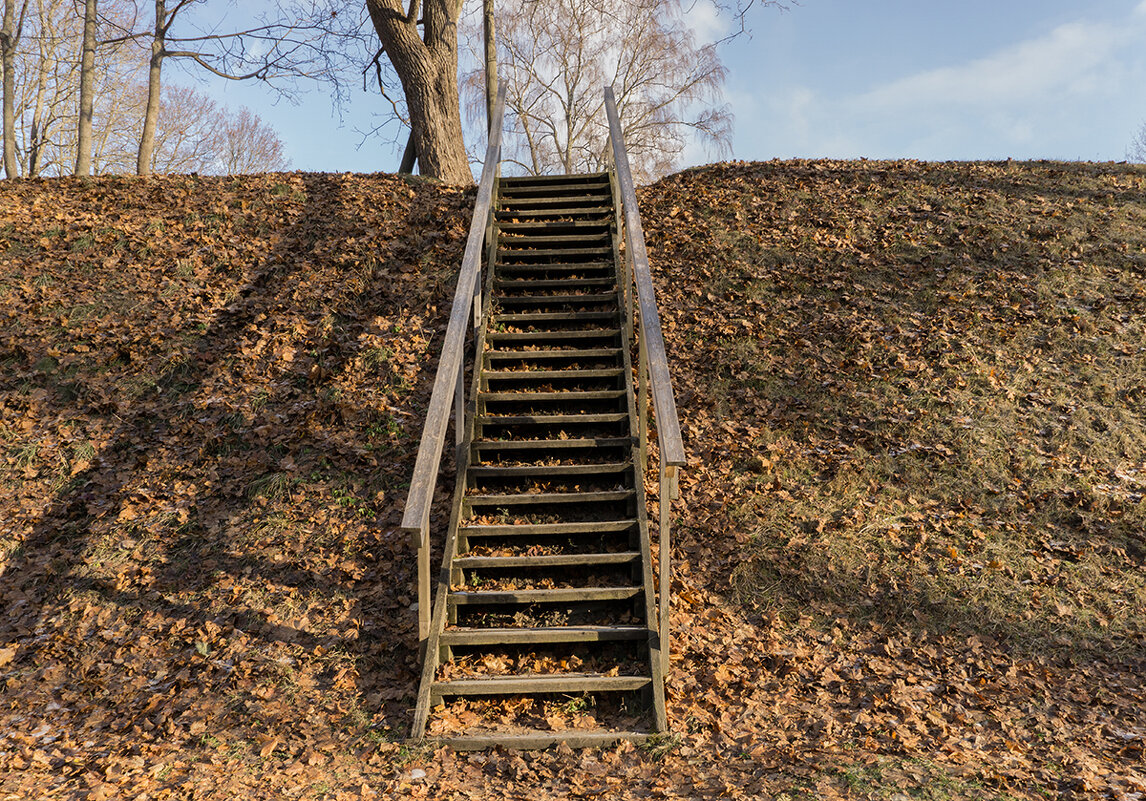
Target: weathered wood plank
<point>536,498</point>
<point>543,470</point>
<point>546,375</point>
<point>539,529</point>
<point>540,740</point>
<point>560,596</point>
<point>514,685</point>
<point>549,560</point>
<point>553,444</point>
<point>570,396</point>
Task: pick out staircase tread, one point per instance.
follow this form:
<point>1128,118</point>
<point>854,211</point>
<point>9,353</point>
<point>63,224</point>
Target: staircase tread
<point>541,634</point>
<point>505,284</point>
<point>555,317</point>
<point>529,239</point>
<point>537,740</point>
<point>559,395</point>
<point>509,375</point>
<point>566,353</point>
<point>539,683</point>
<point>548,419</point>
<point>507,203</point>
<point>552,444</point>
<point>529,336</point>
<point>561,595</point>
<point>514,214</point>
<point>556,225</point>
<point>523,498</point>
<point>536,529</point>
<point>548,560</point>
<point>583,297</point>
<point>495,471</point>
<point>517,266</point>
<point>534,252</point>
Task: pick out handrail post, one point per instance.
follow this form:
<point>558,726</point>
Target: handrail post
<point>664,499</point>
<point>424,586</point>
<point>643,400</point>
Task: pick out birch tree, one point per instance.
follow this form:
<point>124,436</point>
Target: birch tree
<point>87,90</point>
<point>10,33</point>
<point>554,58</point>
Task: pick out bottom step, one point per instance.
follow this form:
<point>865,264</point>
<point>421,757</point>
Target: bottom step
<point>540,740</point>
<point>514,685</point>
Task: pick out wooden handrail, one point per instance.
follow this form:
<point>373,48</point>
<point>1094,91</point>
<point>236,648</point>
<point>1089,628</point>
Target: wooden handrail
<point>668,425</point>
<point>419,500</point>
<point>654,362</point>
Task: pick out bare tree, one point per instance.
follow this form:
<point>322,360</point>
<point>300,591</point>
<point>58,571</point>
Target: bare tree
<point>46,82</point>
<point>87,89</point>
<point>1137,149</point>
<point>300,43</point>
<point>555,57</point>
<point>246,144</point>
<point>193,134</point>
<point>10,34</point>
<point>425,64</point>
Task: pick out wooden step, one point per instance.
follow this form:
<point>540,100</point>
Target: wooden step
<point>547,529</point>
<point>568,353</point>
<point>558,225</point>
<point>545,375</point>
<point>538,683</point>
<point>543,635</point>
<point>546,180</point>
<point>540,740</point>
<point>555,267</point>
<point>554,189</point>
<point>531,240</point>
<point>547,470</point>
<point>569,396</point>
<point>600,210</point>
<point>549,336</point>
<point>527,284</point>
<point>550,419</point>
<point>548,560</point>
<point>554,196</point>
<point>557,596</point>
<point>552,444</point>
<point>584,297</point>
<point>537,498</point>
<point>535,256</point>
<point>553,317</point>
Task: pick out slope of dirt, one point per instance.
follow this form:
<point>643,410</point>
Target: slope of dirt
<point>909,554</point>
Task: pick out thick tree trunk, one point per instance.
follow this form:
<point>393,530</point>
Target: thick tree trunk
<point>428,69</point>
<point>87,89</point>
<point>9,38</point>
<point>154,75</point>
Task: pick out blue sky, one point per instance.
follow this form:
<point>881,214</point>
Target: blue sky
<point>978,79</point>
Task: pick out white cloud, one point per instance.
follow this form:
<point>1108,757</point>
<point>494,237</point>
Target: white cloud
<point>1071,92</point>
<point>1068,59</point>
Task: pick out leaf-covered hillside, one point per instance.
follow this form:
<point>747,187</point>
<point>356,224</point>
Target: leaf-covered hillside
<point>909,552</point>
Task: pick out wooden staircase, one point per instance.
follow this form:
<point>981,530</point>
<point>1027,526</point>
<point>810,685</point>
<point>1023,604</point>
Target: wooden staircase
<point>545,623</point>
